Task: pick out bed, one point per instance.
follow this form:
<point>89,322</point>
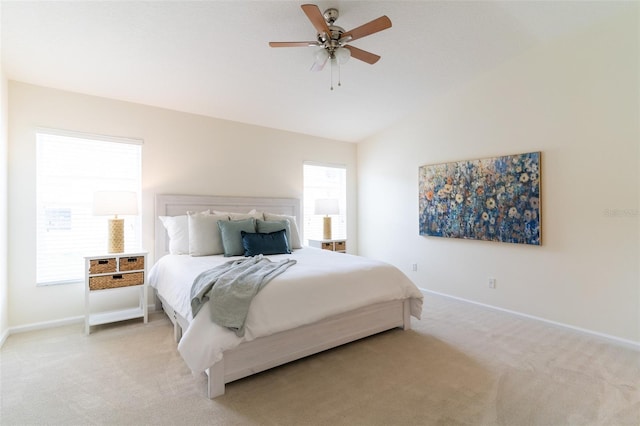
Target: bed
<point>325,300</point>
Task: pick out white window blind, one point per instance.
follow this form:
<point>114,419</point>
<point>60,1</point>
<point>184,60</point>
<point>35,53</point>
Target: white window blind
<point>324,181</point>
<point>70,167</point>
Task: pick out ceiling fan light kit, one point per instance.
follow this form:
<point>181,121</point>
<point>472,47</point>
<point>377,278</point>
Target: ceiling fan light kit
<point>333,40</point>
<point>342,55</point>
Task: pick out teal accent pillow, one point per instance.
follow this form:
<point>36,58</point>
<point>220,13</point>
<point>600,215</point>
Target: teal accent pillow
<point>231,237</point>
<point>267,226</point>
<point>265,243</point>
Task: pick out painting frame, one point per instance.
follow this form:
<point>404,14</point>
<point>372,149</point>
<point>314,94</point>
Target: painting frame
<point>489,199</point>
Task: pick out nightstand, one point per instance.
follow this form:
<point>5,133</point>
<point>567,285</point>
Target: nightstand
<point>338,245</point>
<point>112,273</point>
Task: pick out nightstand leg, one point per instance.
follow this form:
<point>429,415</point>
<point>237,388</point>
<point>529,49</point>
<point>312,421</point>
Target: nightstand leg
<point>144,306</point>
<point>87,311</point>
<point>87,327</point>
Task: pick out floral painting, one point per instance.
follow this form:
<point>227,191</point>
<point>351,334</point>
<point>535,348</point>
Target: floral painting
<point>492,199</point>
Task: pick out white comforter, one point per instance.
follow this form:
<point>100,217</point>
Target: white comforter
<point>320,285</point>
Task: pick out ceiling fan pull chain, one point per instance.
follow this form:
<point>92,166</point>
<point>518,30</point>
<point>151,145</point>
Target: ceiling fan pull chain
<point>339,83</point>
<point>331,73</point>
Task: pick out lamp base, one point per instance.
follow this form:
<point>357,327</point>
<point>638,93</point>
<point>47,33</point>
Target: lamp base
<point>326,228</point>
<point>116,235</point>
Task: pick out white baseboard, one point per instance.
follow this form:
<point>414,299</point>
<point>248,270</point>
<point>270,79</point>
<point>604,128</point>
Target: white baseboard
<point>3,337</point>
<point>624,342</point>
<point>45,324</point>
<point>49,324</point>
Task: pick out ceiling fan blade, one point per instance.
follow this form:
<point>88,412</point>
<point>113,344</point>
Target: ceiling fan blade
<point>293,43</point>
<point>315,16</point>
<point>382,23</point>
<point>363,55</point>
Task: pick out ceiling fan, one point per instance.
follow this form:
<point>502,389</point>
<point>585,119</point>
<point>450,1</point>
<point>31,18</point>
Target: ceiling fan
<point>334,39</point>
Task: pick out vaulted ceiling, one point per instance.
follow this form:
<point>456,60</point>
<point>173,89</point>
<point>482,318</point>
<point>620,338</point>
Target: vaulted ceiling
<point>212,57</point>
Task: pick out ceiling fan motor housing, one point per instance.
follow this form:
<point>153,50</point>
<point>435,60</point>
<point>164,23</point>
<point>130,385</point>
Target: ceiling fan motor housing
<point>331,41</point>
<point>334,37</point>
<point>330,15</point>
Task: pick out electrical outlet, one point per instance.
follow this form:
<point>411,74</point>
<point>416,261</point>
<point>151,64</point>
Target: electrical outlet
<point>492,282</point>
<point>414,267</point>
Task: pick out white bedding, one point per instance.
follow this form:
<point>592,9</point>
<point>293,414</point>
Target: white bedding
<point>320,285</point>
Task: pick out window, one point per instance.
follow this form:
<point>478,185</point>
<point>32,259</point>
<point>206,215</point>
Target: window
<point>323,181</point>
<point>70,167</point>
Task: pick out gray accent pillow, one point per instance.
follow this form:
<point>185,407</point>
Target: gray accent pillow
<point>231,237</point>
<point>268,226</point>
<point>295,242</point>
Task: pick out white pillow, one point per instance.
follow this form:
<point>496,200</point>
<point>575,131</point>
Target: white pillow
<point>295,235</point>
<point>242,216</point>
<point>204,235</point>
<point>178,231</point>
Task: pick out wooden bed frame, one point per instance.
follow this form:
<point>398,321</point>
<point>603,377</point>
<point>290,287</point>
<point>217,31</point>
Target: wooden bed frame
<point>277,349</point>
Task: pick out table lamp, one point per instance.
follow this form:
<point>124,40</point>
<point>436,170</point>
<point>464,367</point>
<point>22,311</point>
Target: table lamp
<point>326,207</point>
<point>106,203</point>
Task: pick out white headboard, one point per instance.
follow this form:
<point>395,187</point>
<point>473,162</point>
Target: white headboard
<point>175,205</point>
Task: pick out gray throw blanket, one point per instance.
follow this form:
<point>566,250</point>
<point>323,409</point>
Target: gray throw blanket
<point>232,286</point>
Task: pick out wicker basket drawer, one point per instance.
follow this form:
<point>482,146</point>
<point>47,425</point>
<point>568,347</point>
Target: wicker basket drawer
<point>327,246</point>
<point>102,266</point>
<point>131,263</point>
<point>341,245</point>
<point>116,280</point>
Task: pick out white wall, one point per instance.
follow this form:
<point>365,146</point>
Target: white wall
<point>182,154</point>
<point>577,101</point>
<point>4,287</point>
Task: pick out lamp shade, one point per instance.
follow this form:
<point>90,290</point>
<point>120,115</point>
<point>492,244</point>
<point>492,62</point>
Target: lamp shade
<point>327,206</point>
<point>342,55</point>
<point>321,56</point>
<point>106,203</point>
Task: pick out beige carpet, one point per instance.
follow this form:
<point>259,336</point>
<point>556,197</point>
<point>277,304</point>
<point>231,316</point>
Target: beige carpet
<point>460,365</point>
